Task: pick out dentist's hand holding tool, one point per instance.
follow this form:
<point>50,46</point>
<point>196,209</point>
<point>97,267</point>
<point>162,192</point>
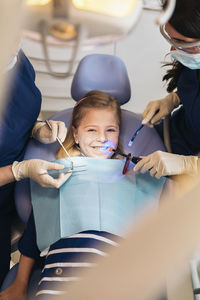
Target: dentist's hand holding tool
<point>162,163</point>
<point>37,170</point>
<point>45,135</point>
<point>158,109</point>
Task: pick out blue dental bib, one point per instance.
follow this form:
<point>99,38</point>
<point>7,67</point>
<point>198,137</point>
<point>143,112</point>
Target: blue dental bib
<point>100,198</point>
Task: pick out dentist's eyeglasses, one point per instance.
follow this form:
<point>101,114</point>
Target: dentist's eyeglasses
<point>189,47</point>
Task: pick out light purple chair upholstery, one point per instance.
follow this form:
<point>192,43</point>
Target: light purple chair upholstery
<point>102,72</point>
<point>99,72</point>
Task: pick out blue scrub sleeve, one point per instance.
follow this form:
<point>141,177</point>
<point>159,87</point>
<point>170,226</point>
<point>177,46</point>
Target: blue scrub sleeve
<point>189,93</point>
<point>27,244</point>
<point>185,121</point>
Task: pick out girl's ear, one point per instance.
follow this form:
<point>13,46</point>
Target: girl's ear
<point>75,134</point>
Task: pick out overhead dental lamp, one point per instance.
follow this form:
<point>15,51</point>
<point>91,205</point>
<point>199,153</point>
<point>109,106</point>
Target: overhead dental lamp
<point>100,17</point>
<point>78,23</point>
<point>167,13</point>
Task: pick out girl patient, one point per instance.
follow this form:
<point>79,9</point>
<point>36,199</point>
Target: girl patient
<point>95,123</point>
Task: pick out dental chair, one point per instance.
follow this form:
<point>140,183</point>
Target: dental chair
<point>95,72</point>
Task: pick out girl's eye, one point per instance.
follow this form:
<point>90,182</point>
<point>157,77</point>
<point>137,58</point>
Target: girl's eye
<point>111,130</point>
<point>91,130</point>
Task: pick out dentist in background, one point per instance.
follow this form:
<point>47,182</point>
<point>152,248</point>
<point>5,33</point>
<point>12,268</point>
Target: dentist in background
<point>183,33</point>
<point>20,121</point>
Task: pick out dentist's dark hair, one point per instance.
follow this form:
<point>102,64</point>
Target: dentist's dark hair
<point>186,17</point>
<point>186,21</point>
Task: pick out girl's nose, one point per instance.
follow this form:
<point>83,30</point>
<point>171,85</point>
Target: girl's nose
<point>101,137</point>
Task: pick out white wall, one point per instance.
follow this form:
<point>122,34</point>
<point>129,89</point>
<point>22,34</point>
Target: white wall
<point>142,51</point>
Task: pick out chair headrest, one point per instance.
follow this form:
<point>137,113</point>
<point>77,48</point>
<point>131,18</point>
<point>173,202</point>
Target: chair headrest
<point>101,72</point>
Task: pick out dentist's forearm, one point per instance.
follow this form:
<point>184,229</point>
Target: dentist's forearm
<point>6,175</point>
<point>24,270</point>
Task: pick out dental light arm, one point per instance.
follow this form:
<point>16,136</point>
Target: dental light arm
<point>79,40</point>
<point>167,13</point>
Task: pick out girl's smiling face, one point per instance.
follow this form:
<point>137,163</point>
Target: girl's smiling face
<point>98,130</point>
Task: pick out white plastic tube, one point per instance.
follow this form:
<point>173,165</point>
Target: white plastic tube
<point>167,13</point>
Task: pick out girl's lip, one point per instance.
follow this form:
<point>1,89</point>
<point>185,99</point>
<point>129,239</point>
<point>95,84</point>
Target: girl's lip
<point>99,148</point>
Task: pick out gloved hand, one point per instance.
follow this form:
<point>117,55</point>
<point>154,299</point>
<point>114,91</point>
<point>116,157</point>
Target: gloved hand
<point>162,163</point>
<point>36,169</point>
<point>45,135</point>
<point>158,109</point>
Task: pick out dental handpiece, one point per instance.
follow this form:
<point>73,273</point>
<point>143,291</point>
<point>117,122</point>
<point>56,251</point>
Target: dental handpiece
<point>134,135</point>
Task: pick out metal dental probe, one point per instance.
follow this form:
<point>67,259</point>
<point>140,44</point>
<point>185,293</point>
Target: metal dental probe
<point>59,141</point>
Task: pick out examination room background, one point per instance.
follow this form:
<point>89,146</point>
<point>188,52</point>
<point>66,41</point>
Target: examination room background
<point>143,52</point>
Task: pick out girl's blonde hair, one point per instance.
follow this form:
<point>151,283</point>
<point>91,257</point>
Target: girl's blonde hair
<point>92,100</point>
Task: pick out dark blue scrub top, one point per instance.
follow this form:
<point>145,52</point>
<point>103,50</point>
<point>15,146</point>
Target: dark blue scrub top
<point>23,106</point>
<point>185,122</point>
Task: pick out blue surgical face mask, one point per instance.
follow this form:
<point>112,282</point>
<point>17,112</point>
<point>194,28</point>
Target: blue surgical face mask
<point>190,60</point>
